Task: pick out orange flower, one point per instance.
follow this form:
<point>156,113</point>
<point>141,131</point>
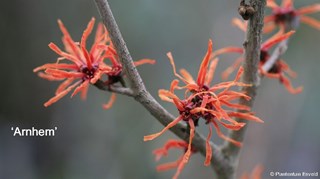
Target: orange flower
<point>286,14</point>
<point>179,164</point>
<point>206,102</point>
<point>278,70</point>
<point>82,66</point>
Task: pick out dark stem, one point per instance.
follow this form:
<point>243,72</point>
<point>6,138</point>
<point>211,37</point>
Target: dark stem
<point>252,46</point>
<point>144,97</point>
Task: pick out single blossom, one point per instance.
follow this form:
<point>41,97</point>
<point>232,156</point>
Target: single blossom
<point>286,15</point>
<point>213,103</point>
<point>179,164</point>
<point>78,66</point>
<point>81,66</point>
<point>279,69</point>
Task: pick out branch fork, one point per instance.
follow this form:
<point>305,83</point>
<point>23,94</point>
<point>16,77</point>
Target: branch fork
<point>224,158</point>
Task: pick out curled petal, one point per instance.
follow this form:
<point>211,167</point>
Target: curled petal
<point>226,73</point>
<point>170,165</point>
<point>286,82</point>
<point>269,27</point>
<point>235,106</point>
<point>247,116</point>
<point>56,65</point>
<point>96,77</point>
<point>153,136</point>
<point>174,85</point>
<point>199,109</point>
<point>63,85</point>
<point>168,96</point>
<point>270,43</point>
<point>240,24</point>
<point>144,61</point>
<point>84,92</point>
<point>270,18</point>
<point>63,29</point>
<point>234,127</point>
<point>285,67</point>
<point>310,21</point>
<point>309,9</point>
<point>110,102</point>
<point>231,94</point>
<point>169,145</point>
<point>220,134</point>
<point>70,45</point>
<point>227,50</point>
<point>174,68</point>
<point>87,57</point>
<point>80,88</point>
<point>204,101</point>
<point>61,94</point>
<point>287,3</point>
<point>50,77</point>
<point>86,33</point>
<point>99,33</point>
<point>212,69</point>
<point>65,74</point>
<point>208,148</point>
<point>63,54</point>
<point>187,76</point>
<point>272,4</point>
<point>204,65</point>
<point>188,152</point>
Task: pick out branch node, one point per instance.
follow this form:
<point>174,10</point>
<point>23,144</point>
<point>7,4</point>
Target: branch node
<point>245,10</point>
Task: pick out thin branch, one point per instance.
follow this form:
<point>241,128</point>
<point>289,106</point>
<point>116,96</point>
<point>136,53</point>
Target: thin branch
<point>252,47</point>
<point>275,56</point>
<point>281,47</point>
<point>116,89</point>
<point>144,97</point>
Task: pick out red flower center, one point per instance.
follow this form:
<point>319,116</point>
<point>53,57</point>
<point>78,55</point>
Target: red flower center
<point>276,68</point>
<point>116,71</point>
<point>88,73</point>
<point>114,75</point>
<point>284,15</point>
<point>194,103</point>
<point>264,56</point>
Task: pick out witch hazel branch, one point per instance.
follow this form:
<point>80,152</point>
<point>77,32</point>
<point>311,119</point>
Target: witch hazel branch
<point>108,65</point>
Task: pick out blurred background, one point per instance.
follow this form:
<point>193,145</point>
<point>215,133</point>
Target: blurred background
<point>93,143</point>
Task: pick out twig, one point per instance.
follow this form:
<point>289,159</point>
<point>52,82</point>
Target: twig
<point>275,56</point>
<point>252,47</point>
<point>281,47</point>
<point>116,89</point>
<point>144,97</point>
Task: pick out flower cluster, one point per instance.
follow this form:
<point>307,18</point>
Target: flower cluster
<point>278,70</point>
<point>83,66</point>
<point>212,103</point>
<point>286,15</point>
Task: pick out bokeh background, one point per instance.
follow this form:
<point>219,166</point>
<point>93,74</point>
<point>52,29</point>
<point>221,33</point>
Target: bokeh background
<point>93,143</point>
